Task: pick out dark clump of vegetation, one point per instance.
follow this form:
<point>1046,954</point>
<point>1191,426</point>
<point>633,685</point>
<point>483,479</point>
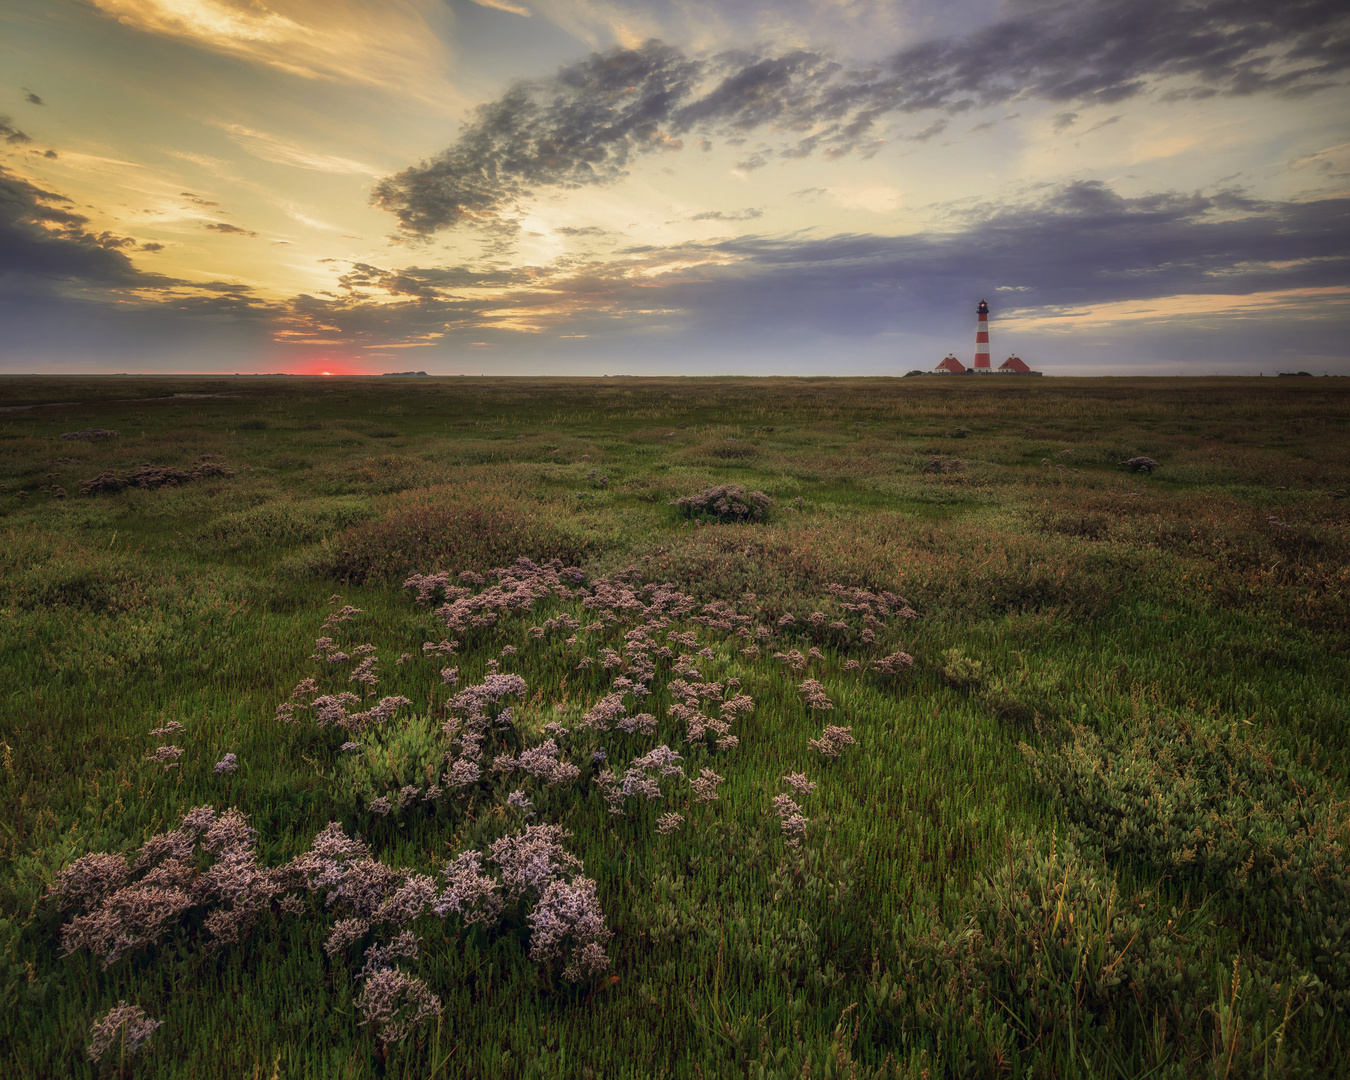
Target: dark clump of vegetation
<point>151,477</point>
<point>937,463</point>
<point>725,502</point>
<point>1214,807</point>
<point>467,527</point>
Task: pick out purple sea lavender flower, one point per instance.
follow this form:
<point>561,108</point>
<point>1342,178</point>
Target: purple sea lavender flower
<point>641,724</point>
<point>833,740</point>
<point>799,783</point>
<point>125,1026</point>
<point>530,860</point>
<point>603,713</point>
<point>463,772</point>
<point>343,614</point>
<point>569,909</point>
<point>661,758</point>
<point>165,755</point>
<point>170,728</point>
<point>132,916</point>
<point>407,902</point>
<point>89,879</point>
<point>396,1003</point>
<point>521,802</point>
<point>365,673</point>
<point>669,823</point>
<point>406,946</point>
<point>815,695</point>
<point>227,764</point>
<point>895,664</point>
<point>705,786</point>
<point>790,815</point>
<point>469,892</point>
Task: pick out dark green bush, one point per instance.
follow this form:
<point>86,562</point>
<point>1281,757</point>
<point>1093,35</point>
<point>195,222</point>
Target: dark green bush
<point>468,527</point>
<point>284,521</point>
<point>1212,806</point>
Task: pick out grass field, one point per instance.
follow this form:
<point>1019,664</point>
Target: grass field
<point>983,755</point>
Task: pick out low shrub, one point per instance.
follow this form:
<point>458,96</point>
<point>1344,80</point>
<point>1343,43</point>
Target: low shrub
<point>283,522</point>
<point>470,527</point>
<point>1045,945</point>
<point>154,476</point>
<point>1213,806</point>
<point>937,463</point>
<point>725,502</point>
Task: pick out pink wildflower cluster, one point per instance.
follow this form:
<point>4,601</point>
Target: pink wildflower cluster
<point>790,816</point>
<point>640,780</point>
<point>124,1026</point>
<point>815,695</point>
<point>895,664</point>
<point>207,863</point>
<point>395,1002</point>
<point>518,588</point>
<point>833,740</point>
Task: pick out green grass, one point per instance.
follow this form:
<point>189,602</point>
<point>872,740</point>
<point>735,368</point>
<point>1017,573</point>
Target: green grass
<point>963,903</point>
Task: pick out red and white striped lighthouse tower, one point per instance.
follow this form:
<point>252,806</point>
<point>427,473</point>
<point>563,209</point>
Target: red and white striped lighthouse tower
<point>982,339</point>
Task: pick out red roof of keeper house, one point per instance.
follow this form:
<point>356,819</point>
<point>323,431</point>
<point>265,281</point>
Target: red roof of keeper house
<point>952,364</point>
<point>1014,363</point>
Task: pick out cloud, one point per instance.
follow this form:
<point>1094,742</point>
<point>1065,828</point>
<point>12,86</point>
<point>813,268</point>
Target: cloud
<point>40,237</point>
<point>281,152</point>
<point>387,45</point>
<point>748,214</point>
<point>32,98</point>
<point>586,124</point>
<point>502,5</point>
<point>1063,121</point>
<point>197,200</point>
<point>226,227</point>
<point>10,134</point>
<point>1081,247</point>
<point>1103,123</point>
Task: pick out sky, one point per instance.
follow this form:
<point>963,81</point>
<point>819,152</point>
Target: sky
<point>701,187</point>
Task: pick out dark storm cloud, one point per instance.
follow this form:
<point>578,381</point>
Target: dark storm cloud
<point>41,237</point>
<point>1078,245</point>
<point>1083,244</point>
<point>10,134</point>
<point>587,123</point>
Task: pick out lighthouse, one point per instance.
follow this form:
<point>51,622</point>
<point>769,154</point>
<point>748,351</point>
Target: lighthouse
<point>982,339</point>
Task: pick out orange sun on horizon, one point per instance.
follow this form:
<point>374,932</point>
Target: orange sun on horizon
<point>330,367</point>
